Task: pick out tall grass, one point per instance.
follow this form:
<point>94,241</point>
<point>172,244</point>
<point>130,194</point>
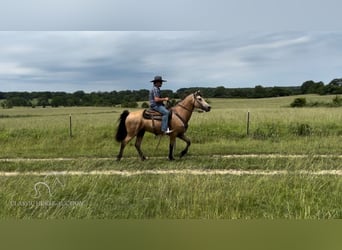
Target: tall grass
<point>175,197</point>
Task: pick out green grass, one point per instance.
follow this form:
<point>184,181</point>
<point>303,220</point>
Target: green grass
<point>272,103</point>
<point>45,132</point>
<point>204,197</point>
<point>275,128</point>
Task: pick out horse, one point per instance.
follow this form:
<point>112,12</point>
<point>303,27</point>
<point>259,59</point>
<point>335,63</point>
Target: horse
<point>133,124</point>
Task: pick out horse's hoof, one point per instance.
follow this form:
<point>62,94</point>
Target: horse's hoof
<point>171,159</point>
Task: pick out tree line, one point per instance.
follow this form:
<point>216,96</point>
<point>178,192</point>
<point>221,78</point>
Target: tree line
<point>129,98</point>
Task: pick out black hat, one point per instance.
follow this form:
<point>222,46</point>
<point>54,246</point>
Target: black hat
<point>158,79</point>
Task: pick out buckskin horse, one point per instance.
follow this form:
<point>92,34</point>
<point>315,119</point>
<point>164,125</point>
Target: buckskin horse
<point>135,124</point>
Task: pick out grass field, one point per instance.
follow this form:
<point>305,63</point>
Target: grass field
<point>37,139</point>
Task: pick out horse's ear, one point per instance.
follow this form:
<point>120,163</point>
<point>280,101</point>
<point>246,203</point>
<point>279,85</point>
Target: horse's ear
<point>198,92</point>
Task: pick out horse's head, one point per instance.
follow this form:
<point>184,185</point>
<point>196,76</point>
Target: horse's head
<point>200,103</point>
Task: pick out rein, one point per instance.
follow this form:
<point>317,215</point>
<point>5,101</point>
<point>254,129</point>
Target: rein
<point>182,106</point>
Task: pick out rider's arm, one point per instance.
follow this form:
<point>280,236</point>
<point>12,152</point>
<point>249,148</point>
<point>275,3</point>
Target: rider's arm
<point>160,99</point>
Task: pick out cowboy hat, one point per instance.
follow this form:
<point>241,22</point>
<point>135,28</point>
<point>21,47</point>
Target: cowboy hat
<point>158,79</point>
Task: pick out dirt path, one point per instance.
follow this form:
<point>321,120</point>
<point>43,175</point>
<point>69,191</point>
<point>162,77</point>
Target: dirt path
<point>171,172</point>
<point>207,156</point>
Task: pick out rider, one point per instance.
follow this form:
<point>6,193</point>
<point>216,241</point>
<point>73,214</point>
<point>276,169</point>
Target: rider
<point>156,103</point>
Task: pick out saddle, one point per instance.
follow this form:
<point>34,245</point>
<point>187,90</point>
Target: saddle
<point>151,114</point>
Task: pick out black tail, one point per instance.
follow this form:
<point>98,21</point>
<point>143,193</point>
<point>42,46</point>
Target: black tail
<point>121,132</point>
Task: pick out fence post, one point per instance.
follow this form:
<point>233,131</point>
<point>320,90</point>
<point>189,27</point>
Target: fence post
<point>70,126</point>
<point>248,119</point>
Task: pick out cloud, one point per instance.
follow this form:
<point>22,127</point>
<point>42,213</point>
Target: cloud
<point>117,60</point>
<point>12,69</point>
<point>155,15</point>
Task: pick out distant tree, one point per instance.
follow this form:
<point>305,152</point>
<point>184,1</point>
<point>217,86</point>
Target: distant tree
<point>58,101</point>
<point>334,87</point>
<point>79,94</point>
<point>77,98</point>
<point>311,87</point>
<point>19,101</point>
<point>37,95</point>
<point>318,89</point>
<point>219,92</point>
<point>306,86</point>
<point>336,82</point>
<point>166,92</point>
<point>278,91</point>
<point>43,102</point>
<point>260,92</point>
<point>7,104</point>
<point>86,100</point>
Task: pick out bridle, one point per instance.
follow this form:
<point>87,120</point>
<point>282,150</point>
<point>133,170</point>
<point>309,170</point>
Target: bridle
<point>193,104</point>
<point>185,123</point>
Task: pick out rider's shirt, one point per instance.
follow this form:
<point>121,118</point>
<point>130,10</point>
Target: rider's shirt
<point>155,92</point>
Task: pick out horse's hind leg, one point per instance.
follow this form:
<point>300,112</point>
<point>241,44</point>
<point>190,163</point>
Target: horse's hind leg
<point>188,143</point>
<point>138,141</point>
<point>123,145</point>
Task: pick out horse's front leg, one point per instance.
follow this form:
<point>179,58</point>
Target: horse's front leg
<point>188,143</point>
<point>171,147</point>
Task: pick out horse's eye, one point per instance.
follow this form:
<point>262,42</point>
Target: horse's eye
<point>200,99</point>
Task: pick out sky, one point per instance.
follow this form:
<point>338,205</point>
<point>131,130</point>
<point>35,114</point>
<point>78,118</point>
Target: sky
<point>108,45</point>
